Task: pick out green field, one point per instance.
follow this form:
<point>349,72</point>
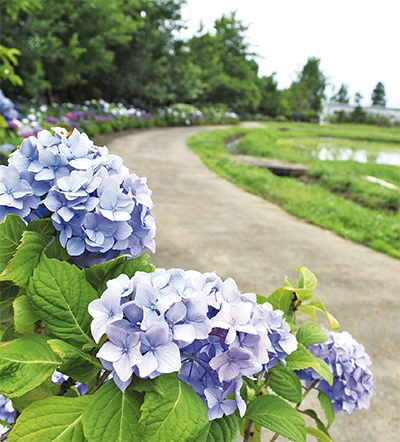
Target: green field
<point>333,193</point>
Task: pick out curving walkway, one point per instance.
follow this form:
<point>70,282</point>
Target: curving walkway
<point>206,223</point>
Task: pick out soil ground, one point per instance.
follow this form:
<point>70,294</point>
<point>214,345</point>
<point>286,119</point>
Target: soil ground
<point>206,223</point>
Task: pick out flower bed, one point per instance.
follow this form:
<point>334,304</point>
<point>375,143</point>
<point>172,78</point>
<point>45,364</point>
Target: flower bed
<point>97,344</point>
<point>95,117</point>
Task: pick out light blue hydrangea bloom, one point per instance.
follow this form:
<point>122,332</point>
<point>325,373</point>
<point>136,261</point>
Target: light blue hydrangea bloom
<point>191,323</point>
<point>352,379</point>
<point>99,208</point>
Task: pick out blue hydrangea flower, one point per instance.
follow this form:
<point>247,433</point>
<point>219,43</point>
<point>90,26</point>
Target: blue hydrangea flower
<point>99,208</point>
<point>352,379</point>
<point>217,403</point>
<point>7,108</point>
<point>6,411</point>
<point>123,350</point>
<point>16,195</point>
<point>195,324</point>
<point>105,311</point>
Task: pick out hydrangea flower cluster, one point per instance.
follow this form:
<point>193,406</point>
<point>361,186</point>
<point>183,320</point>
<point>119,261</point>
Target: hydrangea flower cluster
<point>7,108</point>
<point>191,323</point>
<point>6,412</point>
<point>95,204</point>
<point>352,379</point>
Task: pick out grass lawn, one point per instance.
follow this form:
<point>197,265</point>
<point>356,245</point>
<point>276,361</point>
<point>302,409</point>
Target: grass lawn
<point>333,193</point>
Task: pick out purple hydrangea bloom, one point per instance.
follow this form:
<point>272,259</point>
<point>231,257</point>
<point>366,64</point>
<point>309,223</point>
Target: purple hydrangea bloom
<point>122,350</point>
<point>95,204</point>
<point>7,108</point>
<point>194,324</point>
<point>217,405</point>
<point>161,355</point>
<point>6,412</point>
<point>16,195</point>
<point>105,311</point>
<point>352,379</point>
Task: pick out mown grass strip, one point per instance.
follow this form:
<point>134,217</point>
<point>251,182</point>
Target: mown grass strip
<point>367,216</point>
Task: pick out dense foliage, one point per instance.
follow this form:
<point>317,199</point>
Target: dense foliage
<point>130,51</point>
<point>378,96</point>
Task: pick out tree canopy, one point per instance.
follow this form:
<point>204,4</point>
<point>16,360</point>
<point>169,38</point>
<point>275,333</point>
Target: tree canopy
<point>342,95</point>
<point>131,51</point>
<point>378,96</point>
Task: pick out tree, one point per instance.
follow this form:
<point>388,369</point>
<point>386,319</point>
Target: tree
<point>8,56</point>
<point>308,91</point>
<point>342,95</point>
<point>228,71</point>
<point>357,98</point>
<point>155,66</point>
<point>272,100</point>
<point>62,45</point>
<point>378,95</point>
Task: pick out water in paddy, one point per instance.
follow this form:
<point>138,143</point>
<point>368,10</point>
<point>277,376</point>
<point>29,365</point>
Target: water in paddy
<point>330,149</point>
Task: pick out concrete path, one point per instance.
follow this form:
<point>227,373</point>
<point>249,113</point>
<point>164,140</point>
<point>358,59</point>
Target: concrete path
<point>206,223</point>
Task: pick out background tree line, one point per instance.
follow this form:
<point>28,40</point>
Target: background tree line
<point>130,51</point>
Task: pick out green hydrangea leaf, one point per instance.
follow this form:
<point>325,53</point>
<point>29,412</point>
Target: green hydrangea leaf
<point>311,333</point>
<point>11,229</point>
<point>320,424</point>
<point>131,266</point>
<point>7,332</point>
<point>47,389</point>
<point>21,266</point>
<point>300,359</point>
<point>8,292</point>
<point>307,283</point>
<point>309,311</point>
<point>286,384</point>
<point>44,226</point>
<point>24,315</point>
<point>99,274</point>
<point>281,299</point>
<point>274,413</point>
<point>318,434</point>
<point>113,416</point>
<point>143,385</point>
<point>77,364</point>
<point>224,429</point>
<point>288,282</point>
<point>60,294</point>
<point>170,416</point>
<point>261,299</point>
<point>301,293</point>
<point>327,406</point>
<point>333,323</point>
<point>51,419</point>
<point>322,368</point>
<point>307,279</point>
<point>25,363</point>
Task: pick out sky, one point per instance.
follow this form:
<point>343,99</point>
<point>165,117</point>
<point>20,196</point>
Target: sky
<point>358,42</point>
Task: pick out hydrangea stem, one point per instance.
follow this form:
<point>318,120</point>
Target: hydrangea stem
<point>99,382</point>
<point>248,432</point>
<point>65,386</point>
